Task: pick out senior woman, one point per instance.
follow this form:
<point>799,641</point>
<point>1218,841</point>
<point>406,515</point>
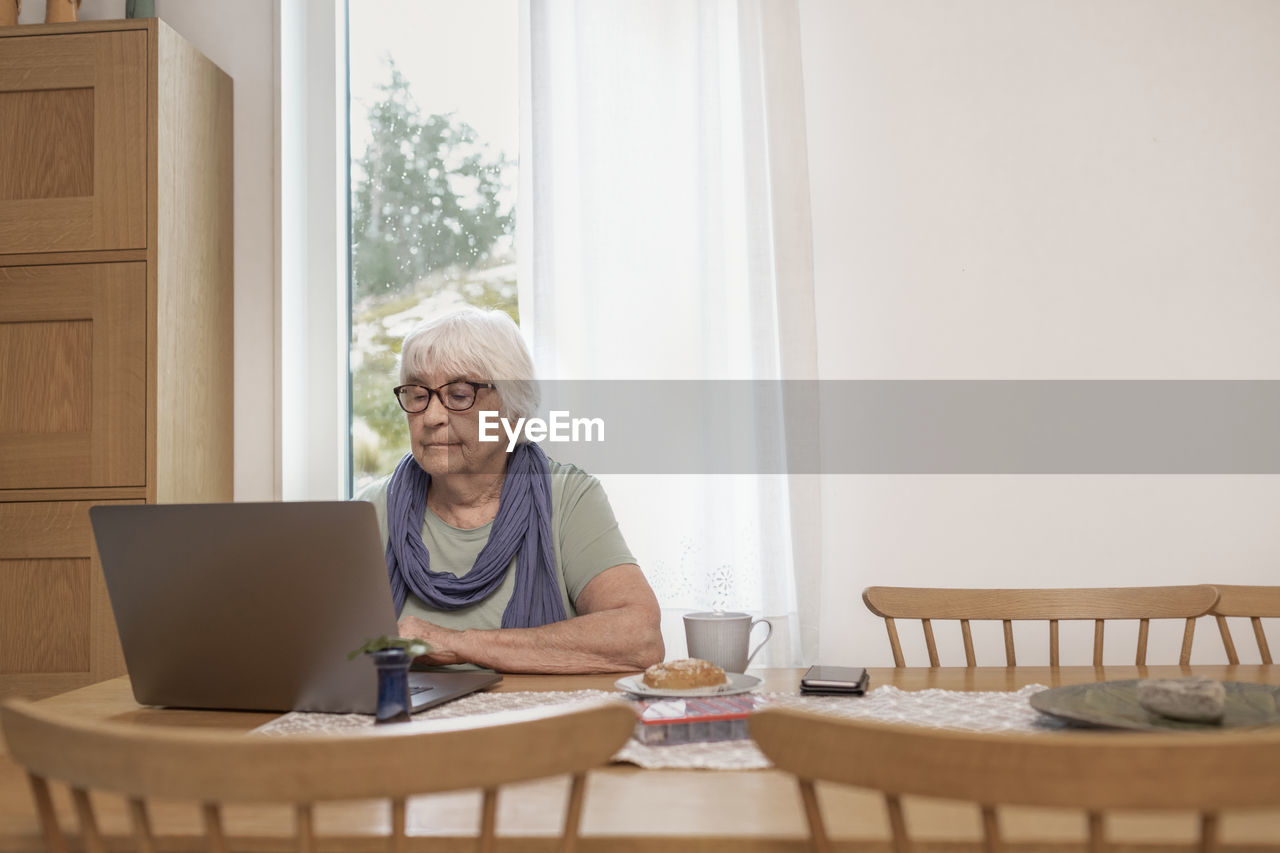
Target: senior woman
<point>510,561</point>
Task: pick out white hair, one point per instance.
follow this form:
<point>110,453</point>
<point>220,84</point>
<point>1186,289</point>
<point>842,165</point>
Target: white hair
<point>481,346</point>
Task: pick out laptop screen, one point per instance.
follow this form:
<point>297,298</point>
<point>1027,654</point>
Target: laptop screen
<point>253,605</point>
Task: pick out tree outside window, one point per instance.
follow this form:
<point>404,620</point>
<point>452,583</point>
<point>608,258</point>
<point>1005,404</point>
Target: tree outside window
<point>432,217</point>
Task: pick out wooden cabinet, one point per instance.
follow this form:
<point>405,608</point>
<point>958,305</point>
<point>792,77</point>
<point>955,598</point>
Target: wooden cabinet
<point>56,628</point>
<point>73,141</point>
<point>115,318</point>
<point>73,345</point>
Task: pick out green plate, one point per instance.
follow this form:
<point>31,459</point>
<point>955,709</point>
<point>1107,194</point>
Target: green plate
<point>1115,704</point>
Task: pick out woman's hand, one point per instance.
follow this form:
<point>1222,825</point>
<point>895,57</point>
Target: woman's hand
<point>440,639</point>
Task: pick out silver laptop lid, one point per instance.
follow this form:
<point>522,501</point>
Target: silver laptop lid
<point>252,606</point>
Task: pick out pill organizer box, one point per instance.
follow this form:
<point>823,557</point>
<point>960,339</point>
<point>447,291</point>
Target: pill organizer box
<point>694,720</point>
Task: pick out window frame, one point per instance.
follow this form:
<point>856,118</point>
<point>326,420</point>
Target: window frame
<point>312,240</point>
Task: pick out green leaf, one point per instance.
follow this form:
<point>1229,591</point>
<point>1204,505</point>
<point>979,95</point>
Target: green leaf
<point>414,647</point>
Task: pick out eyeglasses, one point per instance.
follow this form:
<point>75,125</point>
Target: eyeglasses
<point>456,396</point>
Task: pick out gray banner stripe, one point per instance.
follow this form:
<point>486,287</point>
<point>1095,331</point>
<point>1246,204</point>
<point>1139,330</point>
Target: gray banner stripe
<point>918,427</point>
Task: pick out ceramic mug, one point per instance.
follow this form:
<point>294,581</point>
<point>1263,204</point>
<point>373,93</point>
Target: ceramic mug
<point>723,638</point>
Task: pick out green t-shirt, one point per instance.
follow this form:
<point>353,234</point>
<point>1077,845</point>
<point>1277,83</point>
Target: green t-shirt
<point>584,534</point>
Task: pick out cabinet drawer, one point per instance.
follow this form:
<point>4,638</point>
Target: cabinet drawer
<point>73,142</point>
<point>73,381</point>
<point>55,615</point>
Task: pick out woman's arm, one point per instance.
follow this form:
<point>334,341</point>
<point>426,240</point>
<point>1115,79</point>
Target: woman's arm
<point>617,630</point>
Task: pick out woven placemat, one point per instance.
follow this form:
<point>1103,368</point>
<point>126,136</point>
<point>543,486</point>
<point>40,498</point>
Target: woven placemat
<point>978,711</point>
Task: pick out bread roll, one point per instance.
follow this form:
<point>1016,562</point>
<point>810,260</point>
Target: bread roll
<point>683,674</point>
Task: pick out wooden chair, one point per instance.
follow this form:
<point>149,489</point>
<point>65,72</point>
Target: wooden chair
<point>1093,772</point>
<point>386,762</point>
<point>1254,602</point>
<point>1053,605</point>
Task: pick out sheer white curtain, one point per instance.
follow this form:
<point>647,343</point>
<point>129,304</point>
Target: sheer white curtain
<point>664,228</point>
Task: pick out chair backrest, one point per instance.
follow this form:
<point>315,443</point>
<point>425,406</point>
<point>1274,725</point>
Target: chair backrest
<point>388,762</point>
<point>1253,602</point>
<point>1094,772</point>
<point>1051,605</point>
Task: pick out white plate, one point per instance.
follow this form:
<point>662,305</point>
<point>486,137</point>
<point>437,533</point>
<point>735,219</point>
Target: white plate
<point>738,683</point>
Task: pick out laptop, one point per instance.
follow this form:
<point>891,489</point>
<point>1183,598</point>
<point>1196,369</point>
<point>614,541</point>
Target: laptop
<point>255,606</point>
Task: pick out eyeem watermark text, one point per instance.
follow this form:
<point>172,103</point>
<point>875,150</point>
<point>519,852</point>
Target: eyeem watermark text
<point>560,427</point>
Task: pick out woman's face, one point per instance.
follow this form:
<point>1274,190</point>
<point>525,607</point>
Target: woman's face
<point>446,442</point>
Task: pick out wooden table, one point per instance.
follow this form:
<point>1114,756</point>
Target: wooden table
<point>634,810</point>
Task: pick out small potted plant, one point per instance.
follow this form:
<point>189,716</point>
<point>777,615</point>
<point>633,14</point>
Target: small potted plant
<point>392,656</point>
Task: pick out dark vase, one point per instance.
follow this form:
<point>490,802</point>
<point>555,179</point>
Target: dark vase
<point>393,685</point>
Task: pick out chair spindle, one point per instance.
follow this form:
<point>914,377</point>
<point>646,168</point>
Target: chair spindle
<point>1225,630</point>
<point>812,814</point>
<point>54,841</point>
<point>1208,832</point>
<point>991,840</point>
<point>969,658</point>
<point>141,826</point>
<point>1260,635</point>
<point>1098,629</point>
<point>399,841</point>
<point>213,831</point>
<point>573,813</point>
<point>897,823</point>
<point>1188,635</point>
<point>1097,842</point>
<point>305,829</point>
<point>893,642</point>
<point>1053,642</point>
<point>929,642</point>
<point>1010,658</point>
<point>89,833</point>
<point>488,822</point>
<point>1144,627</point>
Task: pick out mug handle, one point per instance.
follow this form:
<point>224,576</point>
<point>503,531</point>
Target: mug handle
<point>767,634</point>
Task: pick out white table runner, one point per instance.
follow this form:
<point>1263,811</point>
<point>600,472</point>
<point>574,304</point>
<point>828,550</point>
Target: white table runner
<point>978,711</point>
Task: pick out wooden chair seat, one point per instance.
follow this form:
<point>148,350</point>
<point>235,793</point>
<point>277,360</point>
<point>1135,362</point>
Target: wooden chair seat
<point>1182,771</point>
<point>1051,605</point>
<point>388,762</point>
<point>1252,602</point>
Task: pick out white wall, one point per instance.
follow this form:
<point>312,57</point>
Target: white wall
<point>1077,189</point>
<point>238,36</point>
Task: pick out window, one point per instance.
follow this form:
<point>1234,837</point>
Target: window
<point>666,192</point>
<point>434,134</point>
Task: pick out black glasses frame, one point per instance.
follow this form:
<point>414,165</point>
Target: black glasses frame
<point>475,386</point>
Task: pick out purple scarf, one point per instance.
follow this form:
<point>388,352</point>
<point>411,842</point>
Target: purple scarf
<point>522,529</point>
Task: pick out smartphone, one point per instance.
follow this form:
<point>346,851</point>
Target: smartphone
<point>839,680</point>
